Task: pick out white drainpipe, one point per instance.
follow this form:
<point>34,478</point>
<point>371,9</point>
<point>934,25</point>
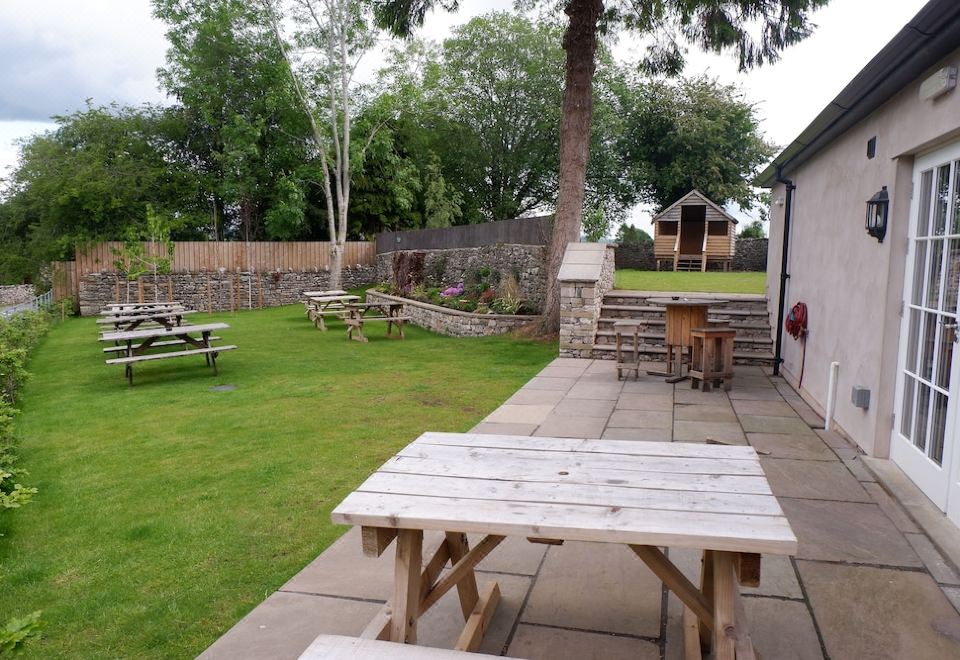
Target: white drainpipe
<point>831,394</point>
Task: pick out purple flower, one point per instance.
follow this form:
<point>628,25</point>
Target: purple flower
<point>453,291</point>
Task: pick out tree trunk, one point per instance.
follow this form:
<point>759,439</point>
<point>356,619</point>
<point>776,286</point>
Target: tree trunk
<point>580,44</point>
<point>336,265</point>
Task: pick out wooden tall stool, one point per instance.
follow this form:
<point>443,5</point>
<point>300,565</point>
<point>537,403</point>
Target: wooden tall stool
<point>627,360</point>
<point>712,358</point>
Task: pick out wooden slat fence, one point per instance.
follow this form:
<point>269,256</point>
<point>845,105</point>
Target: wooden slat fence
<point>257,257</point>
<point>520,231</point>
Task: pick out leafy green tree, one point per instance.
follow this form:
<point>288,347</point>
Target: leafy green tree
<point>694,134</point>
<point>754,30</point>
<point>630,235</point>
<point>753,230</point>
<point>149,250</point>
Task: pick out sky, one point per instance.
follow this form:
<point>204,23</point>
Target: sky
<point>56,54</point>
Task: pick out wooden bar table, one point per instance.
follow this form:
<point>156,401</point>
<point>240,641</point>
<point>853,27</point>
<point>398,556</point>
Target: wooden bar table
<point>683,315</point>
<point>645,495</point>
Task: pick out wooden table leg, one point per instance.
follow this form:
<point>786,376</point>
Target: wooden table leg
<point>724,607</point>
<point>467,587</point>
<point>406,586</point>
<point>706,588</point>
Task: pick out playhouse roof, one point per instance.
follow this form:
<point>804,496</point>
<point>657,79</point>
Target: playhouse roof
<point>696,197</point>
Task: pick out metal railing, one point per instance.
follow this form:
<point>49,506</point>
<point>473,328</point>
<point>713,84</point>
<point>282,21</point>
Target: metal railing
<point>43,301</point>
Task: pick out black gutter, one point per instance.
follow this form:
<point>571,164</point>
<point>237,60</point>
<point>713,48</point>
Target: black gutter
<point>784,275</point>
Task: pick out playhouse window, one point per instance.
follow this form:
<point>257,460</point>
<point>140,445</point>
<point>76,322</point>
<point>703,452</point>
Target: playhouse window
<point>717,228</point>
<point>668,228</point>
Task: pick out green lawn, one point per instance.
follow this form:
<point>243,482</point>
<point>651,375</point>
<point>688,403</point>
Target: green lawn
<point>167,511</point>
<point>648,280</point>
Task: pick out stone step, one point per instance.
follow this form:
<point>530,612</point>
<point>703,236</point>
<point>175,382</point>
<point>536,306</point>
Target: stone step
<point>610,337</point>
<point>653,353</point>
<point>741,326</point>
<point>639,311</point>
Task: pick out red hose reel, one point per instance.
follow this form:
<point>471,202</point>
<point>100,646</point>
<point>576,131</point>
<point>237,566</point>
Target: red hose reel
<point>796,326</point>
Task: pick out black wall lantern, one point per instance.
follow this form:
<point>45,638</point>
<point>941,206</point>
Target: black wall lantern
<point>878,207</point>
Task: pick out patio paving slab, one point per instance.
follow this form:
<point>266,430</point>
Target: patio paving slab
<point>683,394</point>
<point>815,480</point>
<point>941,570</point>
<point>847,532</point>
<point>579,363</point>
<point>641,419</point>
<point>894,511</point>
<point>658,386</point>
<point>782,629</point>
<point>953,595</point>
<point>519,414</point>
<point>661,402</point>
<point>515,554</point>
<point>803,447</point>
<point>536,397</point>
<point>693,413</point>
<point>859,470</point>
<point>777,575</point>
<point>807,414</point>
<point>572,427</point>
<point>492,428</point>
<point>571,407</point>
<point>284,624</point>
<point>561,372</point>
<point>543,383</point>
<point>770,424</point>
<point>544,643</point>
<point>591,390</point>
<point>634,433</point>
<point>595,586</point>
<point>867,612</point>
<point>754,393</point>
<point>767,408</point>
<point>684,431</point>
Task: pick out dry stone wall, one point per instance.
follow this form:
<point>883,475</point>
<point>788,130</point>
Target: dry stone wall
<point>586,275</point>
<point>14,294</point>
<point>214,291</point>
<point>452,322</point>
<point>444,268</point>
<point>750,255</point>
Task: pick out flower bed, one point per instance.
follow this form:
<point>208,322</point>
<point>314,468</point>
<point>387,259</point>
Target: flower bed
<point>453,322</point>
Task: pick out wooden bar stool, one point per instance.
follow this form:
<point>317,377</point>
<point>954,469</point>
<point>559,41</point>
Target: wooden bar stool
<point>712,358</point>
<point>628,361</point>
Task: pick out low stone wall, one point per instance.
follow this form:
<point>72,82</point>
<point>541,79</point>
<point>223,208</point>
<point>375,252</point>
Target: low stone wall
<point>14,294</point>
<point>586,275</point>
<point>638,257</point>
<point>214,291</point>
<point>443,268</point>
<point>750,255</point>
<point>452,322</point>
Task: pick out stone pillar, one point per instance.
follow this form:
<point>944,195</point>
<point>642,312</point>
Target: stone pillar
<point>586,275</point>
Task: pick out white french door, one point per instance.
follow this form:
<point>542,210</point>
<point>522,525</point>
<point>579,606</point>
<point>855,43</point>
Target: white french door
<point>926,434</point>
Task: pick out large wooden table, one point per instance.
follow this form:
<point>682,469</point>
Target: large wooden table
<point>328,304</point>
<point>132,319</point>
<point>646,495</point>
<point>682,316</point>
<point>356,314</point>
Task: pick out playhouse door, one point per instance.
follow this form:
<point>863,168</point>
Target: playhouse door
<point>692,225</point>
<point>926,434</point>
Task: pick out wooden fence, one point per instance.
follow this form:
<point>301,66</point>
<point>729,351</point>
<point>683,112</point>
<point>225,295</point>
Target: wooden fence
<point>257,257</point>
<point>520,231</point>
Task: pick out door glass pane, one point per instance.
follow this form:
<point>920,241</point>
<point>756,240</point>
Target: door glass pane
<point>927,345</point>
<point>936,273</point>
<point>955,229</point>
<point>913,337</point>
<point>923,216</point>
<point>945,357</point>
<point>952,281</point>
<point>906,418</point>
<point>939,428</point>
<point>923,408</point>
<point>919,268</point>
<point>941,198</point>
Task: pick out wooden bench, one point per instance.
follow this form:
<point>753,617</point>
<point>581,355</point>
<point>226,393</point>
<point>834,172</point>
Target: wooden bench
<point>210,352</point>
<point>355,324</point>
<point>337,647</point>
<point>156,344</point>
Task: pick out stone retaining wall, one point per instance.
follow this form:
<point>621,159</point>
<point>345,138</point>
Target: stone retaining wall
<point>214,291</point>
<point>638,257</point>
<point>443,268</point>
<point>452,322</point>
<point>586,275</point>
<point>750,255</point>
<point>14,294</point>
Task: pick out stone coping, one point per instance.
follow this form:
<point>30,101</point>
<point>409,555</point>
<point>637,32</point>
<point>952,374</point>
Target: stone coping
<point>583,262</point>
<point>745,297</point>
<point>452,312</point>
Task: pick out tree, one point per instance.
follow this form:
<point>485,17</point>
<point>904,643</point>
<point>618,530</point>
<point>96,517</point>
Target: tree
<point>338,33</point>
<point>630,235</point>
<point>753,230</point>
<point>714,25</point>
<point>697,134</point>
<point>134,258</point>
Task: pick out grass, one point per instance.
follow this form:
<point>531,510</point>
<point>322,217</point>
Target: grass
<point>710,282</point>
<point>167,511</point>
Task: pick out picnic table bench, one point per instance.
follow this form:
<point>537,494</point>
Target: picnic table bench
<point>318,307</point>
<point>137,343</point>
<point>133,320</point>
<point>357,315</point>
<point>122,307</point>
<point>646,495</point>
<point>337,647</point>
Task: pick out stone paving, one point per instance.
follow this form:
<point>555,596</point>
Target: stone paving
<point>866,582</point>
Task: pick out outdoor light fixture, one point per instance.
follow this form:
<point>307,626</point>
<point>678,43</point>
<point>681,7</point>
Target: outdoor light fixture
<point>878,207</point>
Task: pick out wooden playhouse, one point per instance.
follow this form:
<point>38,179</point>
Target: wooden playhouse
<point>692,234</point>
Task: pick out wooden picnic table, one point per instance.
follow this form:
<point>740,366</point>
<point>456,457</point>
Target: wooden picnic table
<point>318,307</point>
<point>121,307</point>
<point>358,313</point>
<point>140,345</point>
<point>646,495</point>
<point>132,320</point>
<point>682,315</point>
<point>330,292</point>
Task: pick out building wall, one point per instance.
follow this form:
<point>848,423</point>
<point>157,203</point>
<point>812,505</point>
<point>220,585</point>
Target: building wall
<point>852,284</point>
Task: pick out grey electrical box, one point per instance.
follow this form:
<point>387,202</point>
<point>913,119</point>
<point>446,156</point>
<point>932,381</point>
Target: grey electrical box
<point>860,397</point>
